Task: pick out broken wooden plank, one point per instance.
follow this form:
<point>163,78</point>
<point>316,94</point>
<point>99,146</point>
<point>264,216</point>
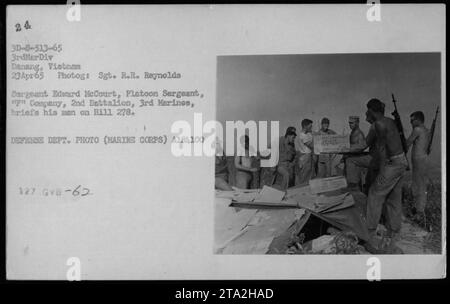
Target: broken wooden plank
<point>228,221</point>
<point>269,195</point>
<point>283,204</point>
<point>320,185</point>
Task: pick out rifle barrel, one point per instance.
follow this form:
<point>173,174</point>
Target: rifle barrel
<point>398,122</point>
<point>433,127</point>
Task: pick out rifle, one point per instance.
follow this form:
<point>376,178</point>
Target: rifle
<point>433,126</point>
<point>398,122</point>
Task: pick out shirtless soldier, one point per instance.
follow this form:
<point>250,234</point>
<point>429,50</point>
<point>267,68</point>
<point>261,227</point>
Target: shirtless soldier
<point>244,166</point>
<point>386,191</point>
<point>419,140</point>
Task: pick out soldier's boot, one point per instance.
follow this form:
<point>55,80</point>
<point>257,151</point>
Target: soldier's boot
<point>391,247</point>
<point>421,219</point>
<point>372,245</point>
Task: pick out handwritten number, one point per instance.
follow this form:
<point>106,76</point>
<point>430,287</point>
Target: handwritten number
<point>26,26</point>
<point>78,191</point>
<point>83,192</point>
<point>75,192</point>
<point>86,192</point>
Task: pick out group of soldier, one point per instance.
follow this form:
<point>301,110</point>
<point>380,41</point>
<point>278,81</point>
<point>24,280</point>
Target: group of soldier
<point>385,165</point>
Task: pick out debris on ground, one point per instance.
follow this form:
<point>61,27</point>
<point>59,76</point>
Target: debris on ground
<point>344,242</point>
<point>318,233</point>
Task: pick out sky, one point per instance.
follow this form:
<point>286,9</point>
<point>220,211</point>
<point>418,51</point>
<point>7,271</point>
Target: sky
<point>289,88</point>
